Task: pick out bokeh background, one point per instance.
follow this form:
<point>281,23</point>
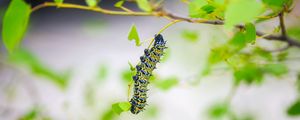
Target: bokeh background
<point>91,52</point>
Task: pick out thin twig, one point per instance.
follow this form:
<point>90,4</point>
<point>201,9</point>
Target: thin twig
<point>282,26</point>
<point>169,16</point>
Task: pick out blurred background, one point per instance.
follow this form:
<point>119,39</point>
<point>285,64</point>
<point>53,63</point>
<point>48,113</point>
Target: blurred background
<point>74,66</point>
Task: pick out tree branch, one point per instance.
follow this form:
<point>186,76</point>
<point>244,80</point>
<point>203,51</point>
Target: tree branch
<point>169,16</point>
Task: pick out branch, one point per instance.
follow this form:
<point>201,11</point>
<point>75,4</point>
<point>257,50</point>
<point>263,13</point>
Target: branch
<point>282,26</point>
<point>171,17</point>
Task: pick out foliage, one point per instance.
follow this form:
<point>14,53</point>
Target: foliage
<point>25,58</point>
<point>15,23</point>
<point>121,107</point>
<point>244,58</point>
<point>133,35</point>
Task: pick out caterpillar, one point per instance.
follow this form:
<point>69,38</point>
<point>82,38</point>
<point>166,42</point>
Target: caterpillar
<point>144,71</point>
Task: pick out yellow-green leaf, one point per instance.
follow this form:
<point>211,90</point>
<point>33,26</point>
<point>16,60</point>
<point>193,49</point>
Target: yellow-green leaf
<point>119,4</point>
<point>133,35</point>
<point>250,34</point>
<point>91,3</point>
<point>31,62</point>
<point>15,23</point>
<point>144,5</point>
<point>121,107</point>
<point>166,84</point>
<point>242,11</point>
<point>58,1</point>
<point>190,35</point>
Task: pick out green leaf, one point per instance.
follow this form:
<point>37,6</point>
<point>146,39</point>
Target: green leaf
<point>144,5</point>
<point>208,8</point>
<point>294,32</point>
<point>294,109</point>
<point>282,56</point>
<point>127,75</point>
<point>277,5</point>
<point>238,41</point>
<point>22,57</point>
<point>249,73</point>
<point>298,82</point>
<point>218,110</point>
<point>242,11</point>
<point>31,115</point>
<point>166,84</point>
<point>190,35</point>
<point>15,23</point>
<point>91,3</point>
<point>276,69</point>
<point>195,10</point>
<point>109,115</point>
<point>133,35</point>
<point>119,4</point>
<point>250,32</point>
<point>121,107</point>
<point>218,54</point>
<point>58,1</point>
<point>263,53</point>
<point>103,72</point>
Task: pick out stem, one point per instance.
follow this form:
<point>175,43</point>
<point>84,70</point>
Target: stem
<point>169,16</point>
<point>282,26</point>
<point>163,29</point>
<point>95,9</point>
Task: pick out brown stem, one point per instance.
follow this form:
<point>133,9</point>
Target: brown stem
<point>169,16</point>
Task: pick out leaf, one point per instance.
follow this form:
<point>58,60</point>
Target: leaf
<point>275,69</point>
<point>133,35</point>
<point>190,35</point>
<point>127,75</point>
<point>166,84</point>
<point>294,32</point>
<point>22,57</point>
<point>208,8</point>
<point>250,33</point>
<point>282,56</point>
<point>294,109</point>
<point>218,54</point>
<point>144,5</point>
<point>119,3</point>
<point>108,115</point>
<point>103,71</point>
<point>263,53</point>
<point>30,115</point>
<point>15,23</point>
<point>195,10</point>
<point>241,11</point>
<point>121,107</point>
<point>91,3</point>
<point>238,41</point>
<point>58,1</point>
<point>277,5</point>
<point>218,110</point>
<point>249,73</point>
<point>298,82</point>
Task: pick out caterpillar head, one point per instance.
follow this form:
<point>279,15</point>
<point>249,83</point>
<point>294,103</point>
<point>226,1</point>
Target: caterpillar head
<point>159,40</point>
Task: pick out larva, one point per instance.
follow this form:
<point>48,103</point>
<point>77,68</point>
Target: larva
<point>144,71</point>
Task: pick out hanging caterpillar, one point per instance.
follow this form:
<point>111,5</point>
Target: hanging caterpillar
<point>144,72</point>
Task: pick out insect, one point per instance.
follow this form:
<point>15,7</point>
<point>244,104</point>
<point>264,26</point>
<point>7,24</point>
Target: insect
<point>141,79</point>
